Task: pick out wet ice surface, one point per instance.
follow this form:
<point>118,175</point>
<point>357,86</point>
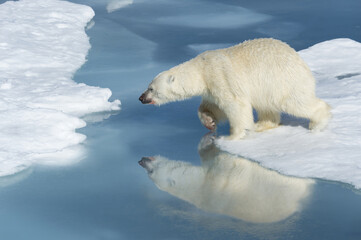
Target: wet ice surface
<point>109,196</point>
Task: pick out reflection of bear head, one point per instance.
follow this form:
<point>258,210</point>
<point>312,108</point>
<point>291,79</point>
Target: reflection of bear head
<point>165,173</point>
<point>230,185</point>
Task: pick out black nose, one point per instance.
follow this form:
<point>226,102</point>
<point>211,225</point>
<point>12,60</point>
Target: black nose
<point>143,162</point>
<point>144,99</point>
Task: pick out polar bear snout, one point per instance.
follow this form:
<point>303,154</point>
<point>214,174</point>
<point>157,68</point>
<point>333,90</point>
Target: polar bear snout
<point>145,163</point>
<point>143,98</point>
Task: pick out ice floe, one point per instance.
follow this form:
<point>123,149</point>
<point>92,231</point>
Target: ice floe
<point>42,44</point>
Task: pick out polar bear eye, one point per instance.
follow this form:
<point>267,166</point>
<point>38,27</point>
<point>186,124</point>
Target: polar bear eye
<point>150,89</point>
<point>171,182</point>
<point>171,79</point>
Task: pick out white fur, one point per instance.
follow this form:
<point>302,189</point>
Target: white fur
<point>264,74</point>
<point>230,185</point>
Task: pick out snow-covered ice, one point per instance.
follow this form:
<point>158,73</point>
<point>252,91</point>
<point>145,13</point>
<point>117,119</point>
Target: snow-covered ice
<point>334,154</point>
<point>42,44</point>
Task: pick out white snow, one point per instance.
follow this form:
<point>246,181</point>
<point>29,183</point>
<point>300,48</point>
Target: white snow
<point>334,154</point>
<point>42,44</point>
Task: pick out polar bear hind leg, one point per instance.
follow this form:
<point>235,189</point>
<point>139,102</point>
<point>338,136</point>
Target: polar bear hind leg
<point>320,117</point>
<point>316,110</point>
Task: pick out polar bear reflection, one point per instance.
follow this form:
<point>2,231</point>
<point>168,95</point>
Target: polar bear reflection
<point>229,185</point>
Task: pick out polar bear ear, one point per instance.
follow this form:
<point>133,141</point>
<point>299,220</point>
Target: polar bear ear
<point>171,79</point>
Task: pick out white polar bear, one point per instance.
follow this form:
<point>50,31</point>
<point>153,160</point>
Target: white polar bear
<point>264,74</point>
<point>230,185</point>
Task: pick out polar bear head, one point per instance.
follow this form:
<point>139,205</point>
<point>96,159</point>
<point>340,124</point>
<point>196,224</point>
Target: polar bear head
<point>164,88</point>
<point>178,83</point>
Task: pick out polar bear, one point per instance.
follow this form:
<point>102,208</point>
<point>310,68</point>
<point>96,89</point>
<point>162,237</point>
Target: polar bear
<point>230,185</point>
<point>262,74</point>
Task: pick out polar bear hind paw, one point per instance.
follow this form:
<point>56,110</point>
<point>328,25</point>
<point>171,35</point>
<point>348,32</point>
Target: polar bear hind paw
<point>318,126</point>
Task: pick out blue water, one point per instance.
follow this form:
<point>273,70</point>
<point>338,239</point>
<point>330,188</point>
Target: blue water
<point>108,195</point>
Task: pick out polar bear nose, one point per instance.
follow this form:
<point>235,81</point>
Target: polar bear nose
<point>144,99</point>
<point>144,162</point>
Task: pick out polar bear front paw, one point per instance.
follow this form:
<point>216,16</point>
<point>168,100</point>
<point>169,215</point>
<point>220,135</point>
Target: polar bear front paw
<point>208,121</point>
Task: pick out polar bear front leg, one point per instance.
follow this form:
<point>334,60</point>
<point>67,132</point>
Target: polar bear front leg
<point>210,114</point>
<point>240,117</point>
<point>207,119</point>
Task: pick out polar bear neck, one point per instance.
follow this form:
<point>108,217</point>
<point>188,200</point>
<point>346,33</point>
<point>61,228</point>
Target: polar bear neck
<point>190,78</point>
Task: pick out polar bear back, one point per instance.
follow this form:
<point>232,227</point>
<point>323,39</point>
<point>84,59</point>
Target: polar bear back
<point>265,71</point>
